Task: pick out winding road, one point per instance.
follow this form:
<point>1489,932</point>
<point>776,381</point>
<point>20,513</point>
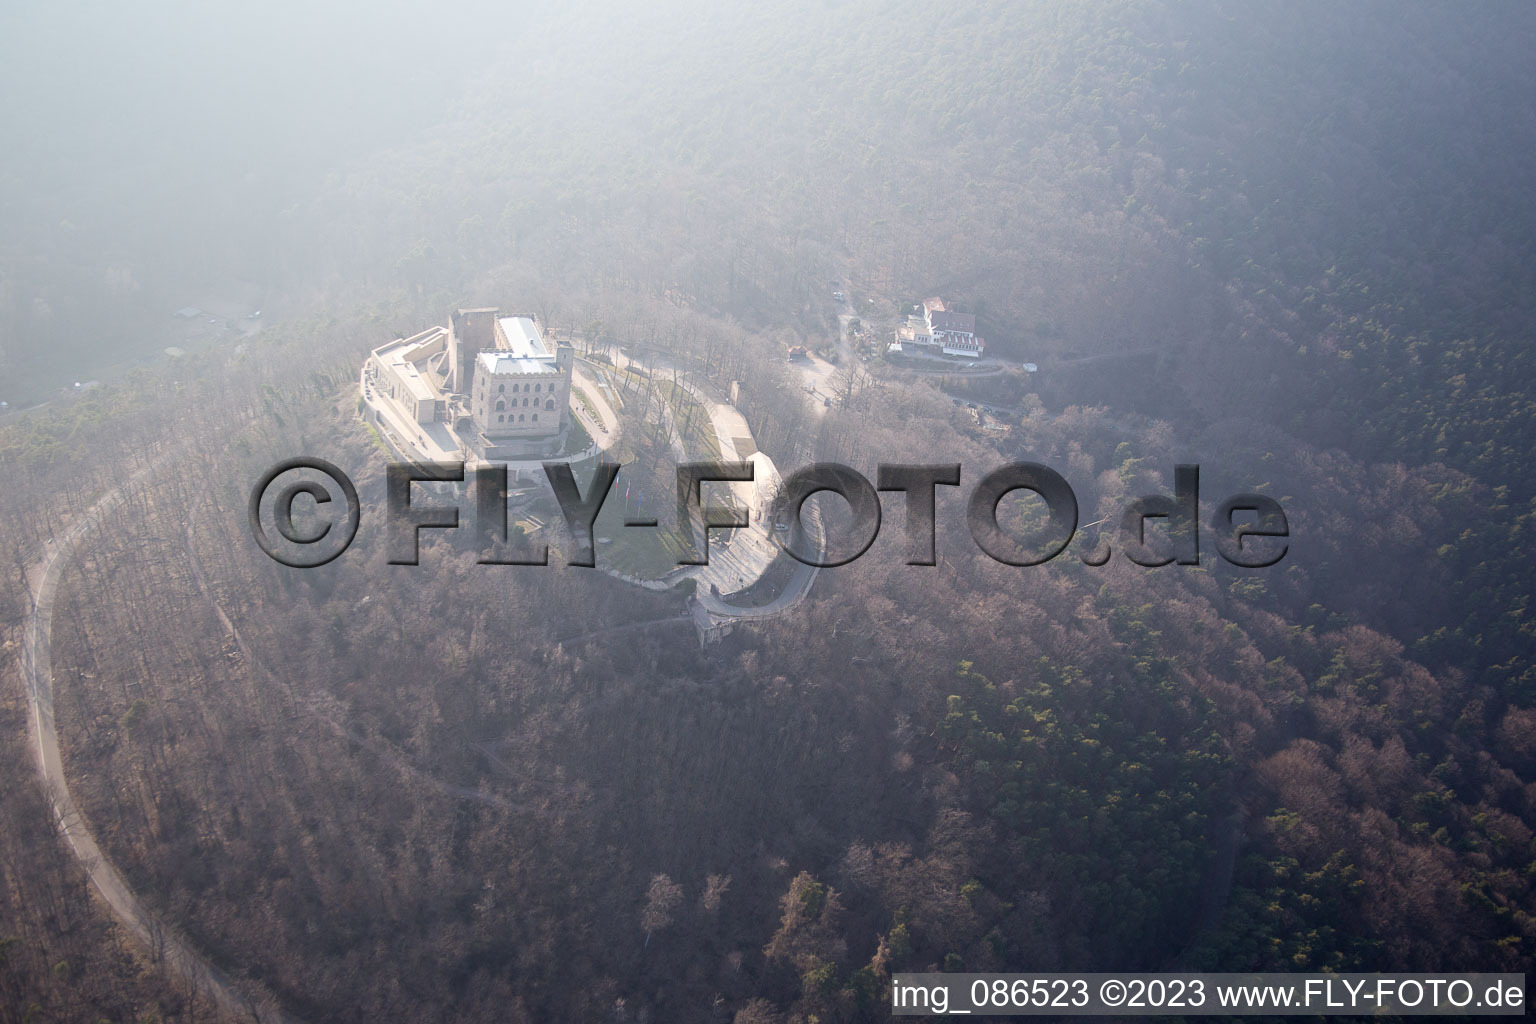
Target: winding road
<point>164,944</point>
<point>37,671</point>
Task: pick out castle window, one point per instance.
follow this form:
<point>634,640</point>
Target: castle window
<point>501,404</point>
<point>535,417</point>
<point>501,419</point>
<point>501,389</point>
<point>519,419</point>
<point>538,387</point>
<point>525,402</point>
<point>549,406</point>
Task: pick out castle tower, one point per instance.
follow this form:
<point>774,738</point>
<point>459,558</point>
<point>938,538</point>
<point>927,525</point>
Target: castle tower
<point>565,361</point>
<point>474,331</point>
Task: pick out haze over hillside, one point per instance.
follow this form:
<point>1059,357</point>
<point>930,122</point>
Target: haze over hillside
<point>1092,180</point>
<point>1290,243</point>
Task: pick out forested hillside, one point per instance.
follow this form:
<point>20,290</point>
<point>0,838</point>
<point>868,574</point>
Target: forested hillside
<point>1289,243</point>
<point>1301,208</point>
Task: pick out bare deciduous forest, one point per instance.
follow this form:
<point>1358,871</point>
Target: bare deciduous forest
<point>1289,244</point>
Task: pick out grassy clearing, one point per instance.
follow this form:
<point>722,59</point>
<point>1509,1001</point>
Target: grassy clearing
<point>693,423</point>
<point>647,553</point>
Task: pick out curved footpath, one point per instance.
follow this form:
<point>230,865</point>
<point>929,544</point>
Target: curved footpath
<point>37,671</point>
<point>163,943</point>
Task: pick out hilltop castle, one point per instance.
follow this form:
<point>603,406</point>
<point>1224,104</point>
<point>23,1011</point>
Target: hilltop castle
<point>488,385</point>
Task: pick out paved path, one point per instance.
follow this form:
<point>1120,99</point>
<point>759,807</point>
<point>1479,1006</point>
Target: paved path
<point>37,669</point>
<point>164,944</point>
<point>795,591</point>
<point>603,433</point>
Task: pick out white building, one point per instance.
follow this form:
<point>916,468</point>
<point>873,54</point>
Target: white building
<point>940,328</point>
<point>520,393</point>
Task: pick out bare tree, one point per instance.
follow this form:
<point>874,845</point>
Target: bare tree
<point>660,900</point>
<point>849,382</point>
<point>715,888</point>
